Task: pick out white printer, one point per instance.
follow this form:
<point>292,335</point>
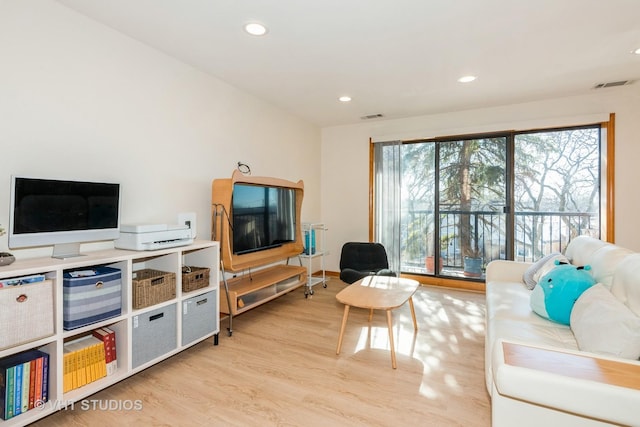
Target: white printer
<point>149,237</point>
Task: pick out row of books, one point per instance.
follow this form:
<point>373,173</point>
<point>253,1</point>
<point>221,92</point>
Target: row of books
<point>24,382</point>
<point>88,358</point>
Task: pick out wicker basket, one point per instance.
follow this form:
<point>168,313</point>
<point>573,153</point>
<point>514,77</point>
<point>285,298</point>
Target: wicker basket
<point>194,278</point>
<point>152,287</point>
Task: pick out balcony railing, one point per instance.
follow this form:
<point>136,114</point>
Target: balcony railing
<point>535,235</point>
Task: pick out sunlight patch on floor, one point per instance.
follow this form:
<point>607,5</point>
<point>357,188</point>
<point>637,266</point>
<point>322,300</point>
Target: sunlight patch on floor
<point>428,391</point>
<point>451,381</point>
<point>373,337</point>
<point>378,337</point>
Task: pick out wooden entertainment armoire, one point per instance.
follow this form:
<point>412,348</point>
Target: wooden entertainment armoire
<point>257,277</point>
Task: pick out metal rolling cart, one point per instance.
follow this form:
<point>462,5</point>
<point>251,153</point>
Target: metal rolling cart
<point>314,248</point>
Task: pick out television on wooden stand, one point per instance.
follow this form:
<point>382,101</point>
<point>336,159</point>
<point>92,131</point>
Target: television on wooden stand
<point>256,220</point>
<point>62,213</point>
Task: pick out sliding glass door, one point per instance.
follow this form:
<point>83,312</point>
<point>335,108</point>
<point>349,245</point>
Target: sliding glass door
<point>448,207</point>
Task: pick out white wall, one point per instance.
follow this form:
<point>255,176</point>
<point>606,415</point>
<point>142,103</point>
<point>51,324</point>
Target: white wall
<point>81,101</point>
<point>345,155</point>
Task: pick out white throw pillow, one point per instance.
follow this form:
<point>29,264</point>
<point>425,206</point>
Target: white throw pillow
<point>541,267</point>
<point>603,324</point>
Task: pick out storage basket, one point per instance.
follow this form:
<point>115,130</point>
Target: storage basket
<point>194,278</point>
<point>90,295</point>
<point>152,287</point>
<point>27,313</point>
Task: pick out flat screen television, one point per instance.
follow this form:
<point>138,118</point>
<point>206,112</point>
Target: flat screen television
<point>262,217</point>
<point>45,212</point>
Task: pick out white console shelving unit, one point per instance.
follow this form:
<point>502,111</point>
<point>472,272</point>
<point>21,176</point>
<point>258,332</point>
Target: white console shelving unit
<point>136,339</point>
<point>312,251</point>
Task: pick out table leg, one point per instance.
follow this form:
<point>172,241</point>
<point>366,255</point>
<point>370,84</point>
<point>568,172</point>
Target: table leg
<point>413,314</point>
<point>391,345</point>
<point>370,314</point>
<point>342,327</point>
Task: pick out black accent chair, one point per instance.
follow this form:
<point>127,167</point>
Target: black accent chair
<point>362,259</point>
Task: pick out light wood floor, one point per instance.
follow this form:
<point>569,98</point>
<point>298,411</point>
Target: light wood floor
<point>279,368</point>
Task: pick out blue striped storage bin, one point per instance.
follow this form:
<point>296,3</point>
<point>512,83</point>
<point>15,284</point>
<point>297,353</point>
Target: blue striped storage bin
<point>91,298</point>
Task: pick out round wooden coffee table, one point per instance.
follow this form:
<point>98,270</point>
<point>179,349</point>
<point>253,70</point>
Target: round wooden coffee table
<point>378,293</point>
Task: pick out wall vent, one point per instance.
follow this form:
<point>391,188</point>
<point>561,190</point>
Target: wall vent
<point>371,116</point>
<point>613,84</point>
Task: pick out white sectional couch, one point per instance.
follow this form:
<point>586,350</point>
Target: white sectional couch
<point>553,382</point>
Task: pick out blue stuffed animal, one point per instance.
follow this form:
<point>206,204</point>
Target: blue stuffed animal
<point>558,290</point>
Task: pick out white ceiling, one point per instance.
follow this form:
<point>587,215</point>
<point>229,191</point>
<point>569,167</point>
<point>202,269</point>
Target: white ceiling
<point>396,57</point>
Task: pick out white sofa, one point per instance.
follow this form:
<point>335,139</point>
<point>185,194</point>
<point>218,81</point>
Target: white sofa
<point>548,394</point>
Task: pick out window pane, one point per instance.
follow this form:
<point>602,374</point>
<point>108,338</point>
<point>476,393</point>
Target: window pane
<point>556,190</point>
<point>472,200</point>
<point>417,206</point>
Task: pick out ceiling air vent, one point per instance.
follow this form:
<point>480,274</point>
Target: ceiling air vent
<point>371,116</point>
<point>612,84</point>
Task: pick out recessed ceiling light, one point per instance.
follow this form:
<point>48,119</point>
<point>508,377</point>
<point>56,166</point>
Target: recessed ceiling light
<point>255,29</point>
<point>344,98</point>
<point>637,51</point>
<point>466,79</point>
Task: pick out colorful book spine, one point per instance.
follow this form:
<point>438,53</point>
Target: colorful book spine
<point>45,378</point>
<point>10,391</point>
<point>32,383</point>
<point>93,361</point>
<point>38,396</point>
<point>81,367</point>
<point>112,342</point>
<point>66,372</point>
<point>17,398</point>
<point>91,371</point>
<point>26,379</point>
<point>101,365</point>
